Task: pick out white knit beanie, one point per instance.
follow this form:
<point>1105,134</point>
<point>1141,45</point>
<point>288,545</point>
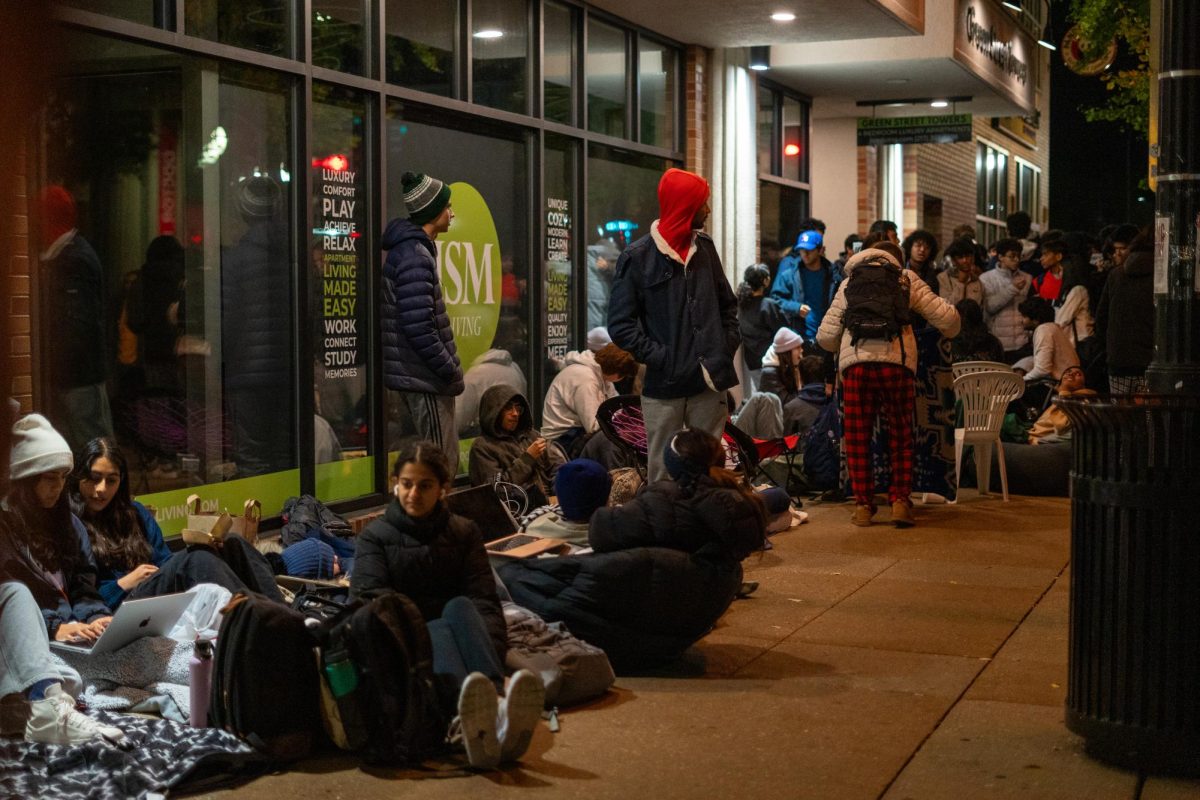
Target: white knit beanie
<point>597,338</point>
<point>787,339</point>
<point>38,448</point>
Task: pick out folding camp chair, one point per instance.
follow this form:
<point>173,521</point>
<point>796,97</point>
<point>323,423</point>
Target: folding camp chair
<point>752,454</point>
<point>621,422</point>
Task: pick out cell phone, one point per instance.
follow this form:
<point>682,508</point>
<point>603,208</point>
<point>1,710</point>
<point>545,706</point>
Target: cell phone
<point>856,247</point>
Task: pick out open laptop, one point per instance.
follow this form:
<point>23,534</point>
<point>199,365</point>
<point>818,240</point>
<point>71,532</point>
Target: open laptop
<point>481,505</point>
<point>153,616</point>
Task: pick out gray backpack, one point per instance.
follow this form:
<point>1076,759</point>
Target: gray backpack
<point>572,670</point>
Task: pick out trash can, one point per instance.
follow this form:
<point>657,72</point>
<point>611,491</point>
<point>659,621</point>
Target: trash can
<point>1134,655</point>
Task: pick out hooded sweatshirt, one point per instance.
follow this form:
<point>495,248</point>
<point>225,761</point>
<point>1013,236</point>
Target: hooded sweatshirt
<point>680,195</point>
<point>490,368</point>
<point>500,455</point>
<point>574,395</point>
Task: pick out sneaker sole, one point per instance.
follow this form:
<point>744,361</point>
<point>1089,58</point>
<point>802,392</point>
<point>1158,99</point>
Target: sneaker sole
<point>477,710</point>
<point>522,708</point>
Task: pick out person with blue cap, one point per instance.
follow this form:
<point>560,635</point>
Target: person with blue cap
<point>804,284</point>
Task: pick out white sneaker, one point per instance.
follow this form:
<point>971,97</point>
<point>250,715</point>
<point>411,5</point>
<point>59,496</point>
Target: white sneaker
<point>520,711</point>
<point>477,709</point>
<point>54,720</point>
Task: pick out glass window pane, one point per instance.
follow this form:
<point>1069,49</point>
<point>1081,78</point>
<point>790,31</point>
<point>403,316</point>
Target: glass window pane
<point>483,260</point>
<point>1000,195</point>
<point>558,59</point>
<point>339,293</point>
<point>767,142</point>
<point>780,209</point>
<point>656,82</point>
<point>622,202</point>
<point>262,25</point>
<point>561,155</point>
<point>180,171</point>
<point>606,79</point>
<point>143,11</point>
<point>981,177</point>
<point>420,44</point>
<point>338,32</point>
<point>500,53</point>
<point>794,150</point>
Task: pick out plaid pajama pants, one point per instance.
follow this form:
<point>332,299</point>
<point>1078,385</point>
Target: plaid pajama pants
<point>868,390</point>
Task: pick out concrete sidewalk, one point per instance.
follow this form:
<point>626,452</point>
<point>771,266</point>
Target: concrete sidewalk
<point>871,663</point>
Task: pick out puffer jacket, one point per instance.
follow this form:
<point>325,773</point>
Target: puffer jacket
<point>500,455</point>
<point>574,395</point>
<point>643,606</point>
<point>834,337</point>
<point>759,318</point>
<point>663,515</point>
<point>1001,298</point>
<point>1125,316</point>
<point>418,343</point>
<point>952,290</point>
<point>432,560</point>
<point>256,322</point>
<point>490,368</point>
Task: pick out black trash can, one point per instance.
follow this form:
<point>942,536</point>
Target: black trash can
<point>1134,659</point>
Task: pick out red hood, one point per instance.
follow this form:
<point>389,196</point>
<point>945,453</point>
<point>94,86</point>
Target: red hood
<point>680,195</point>
<point>58,214</point>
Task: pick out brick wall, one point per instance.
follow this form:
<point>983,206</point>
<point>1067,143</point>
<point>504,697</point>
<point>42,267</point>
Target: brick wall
<point>868,188</point>
<point>945,172</point>
<point>20,366</point>
<point>696,96</point>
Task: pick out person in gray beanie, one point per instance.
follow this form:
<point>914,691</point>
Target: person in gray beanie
<point>421,367</point>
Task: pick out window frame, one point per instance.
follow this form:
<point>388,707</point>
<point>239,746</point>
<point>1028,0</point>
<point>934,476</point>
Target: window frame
<point>984,222</point>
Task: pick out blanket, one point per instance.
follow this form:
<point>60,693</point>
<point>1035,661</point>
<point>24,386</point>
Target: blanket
<point>160,755</point>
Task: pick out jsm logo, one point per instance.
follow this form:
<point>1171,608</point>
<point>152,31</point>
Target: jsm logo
<point>466,274</point>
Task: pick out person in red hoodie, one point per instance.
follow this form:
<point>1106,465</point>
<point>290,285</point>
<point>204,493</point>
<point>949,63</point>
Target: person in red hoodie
<point>672,308</point>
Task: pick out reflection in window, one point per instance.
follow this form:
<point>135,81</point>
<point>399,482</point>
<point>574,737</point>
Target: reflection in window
<point>767,143</point>
<point>485,287</point>
<point>419,51</point>
<point>622,202</point>
<point>656,82</point>
<point>606,79</point>
<point>780,209</point>
<point>795,129</point>
<point>337,35</point>
<point>499,54</point>
<point>338,293</point>
<point>558,59</point>
<point>181,175</point>
<point>262,25</point>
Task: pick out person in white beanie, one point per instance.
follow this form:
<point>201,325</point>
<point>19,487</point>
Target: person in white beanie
<point>45,566</point>
<point>783,355</point>
<point>597,338</point>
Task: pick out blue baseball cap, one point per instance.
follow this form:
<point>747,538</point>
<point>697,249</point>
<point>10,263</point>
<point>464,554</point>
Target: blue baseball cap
<point>809,240</point>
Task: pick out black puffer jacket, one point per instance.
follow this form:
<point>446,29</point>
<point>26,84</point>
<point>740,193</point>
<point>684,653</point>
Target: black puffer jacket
<point>432,561</point>
<point>256,311</point>
<point>759,318</point>
<point>500,455</point>
<point>1125,316</point>
<point>662,516</point>
<point>643,606</point>
<point>419,354</point>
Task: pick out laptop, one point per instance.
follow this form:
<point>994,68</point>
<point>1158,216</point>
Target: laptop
<point>153,616</point>
<point>482,505</point>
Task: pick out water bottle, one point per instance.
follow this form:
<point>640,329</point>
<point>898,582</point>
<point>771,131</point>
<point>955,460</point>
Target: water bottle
<point>200,681</point>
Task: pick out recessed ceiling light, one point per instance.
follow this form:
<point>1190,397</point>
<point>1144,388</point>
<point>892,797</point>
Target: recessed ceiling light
<point>783,16</point>
<point>490,33</point>
<point>939,104</point>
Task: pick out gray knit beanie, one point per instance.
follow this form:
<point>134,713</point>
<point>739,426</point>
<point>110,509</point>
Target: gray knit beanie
<point>424,197</point>
<point>37,448</point>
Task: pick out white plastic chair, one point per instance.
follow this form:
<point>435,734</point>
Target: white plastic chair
<point>984,397</point>
<point>969,367</point>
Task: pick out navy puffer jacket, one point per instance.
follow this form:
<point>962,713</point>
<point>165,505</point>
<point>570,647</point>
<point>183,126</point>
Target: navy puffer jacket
<point>256,339</point>
<point>418,344</point>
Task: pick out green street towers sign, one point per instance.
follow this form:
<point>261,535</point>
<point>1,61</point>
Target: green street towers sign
<point>468,257</point>
<point>942,129</point>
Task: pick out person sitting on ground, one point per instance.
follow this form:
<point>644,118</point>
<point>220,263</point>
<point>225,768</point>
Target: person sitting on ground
<point>783,356</point>
<point>1052,349</point>
<point>974,341</point>
<point>802,408</point>
<point>28,670</point>
<point>132,559</point>
<point>1054,425</point>
<point>961,281</point>
<point>586,381</point>
<point>42,544</point>
<point>759,317</point>
<point>703,504</point>
<point>490,368</point>
<point>1004,288</point>
<point>581,486</point>
<point>510,449</point>
<point>438,560</point>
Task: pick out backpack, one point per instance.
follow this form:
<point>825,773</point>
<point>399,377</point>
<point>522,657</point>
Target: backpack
<point>572,670</point>
<point>378,689</point>
<point>821,449</point>
<point>264,680</point>
<point>876,301</point>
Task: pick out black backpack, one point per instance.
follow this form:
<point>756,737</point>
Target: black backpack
<point>876,301</point>
<point>821,448</point>
<point>264,680</point>
<point>378,689</point>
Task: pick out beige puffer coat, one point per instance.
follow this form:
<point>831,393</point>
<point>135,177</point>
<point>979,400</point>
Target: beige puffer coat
<point>833,336</point>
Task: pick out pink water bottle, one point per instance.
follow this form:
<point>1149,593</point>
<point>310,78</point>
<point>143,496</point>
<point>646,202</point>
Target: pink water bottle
<point>200,681</point>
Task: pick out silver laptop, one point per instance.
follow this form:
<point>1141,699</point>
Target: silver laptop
<point>153,616</point>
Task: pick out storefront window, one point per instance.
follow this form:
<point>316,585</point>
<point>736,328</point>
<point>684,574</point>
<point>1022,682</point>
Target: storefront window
<point>559,161</point>
<point>338,35</point>
<point>622,202</point>
<point>782,135</point>
<point>780,209</point>
<point>176,171</point>
<point>768,142</point>
<point>606,79</point>
<point>483,260</point>
<point>420,44</point>
<point>338,315</point>
<point>499,54</point>
<point>656,82</point>
<point>147,12</point>
<point>262,25</point>
<point>558,61</point>
<point>991,192</point>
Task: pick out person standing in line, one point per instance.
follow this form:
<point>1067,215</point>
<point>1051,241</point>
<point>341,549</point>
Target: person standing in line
<point>420,361</point>
<point>1004,289</point>
<point>78,356</point>
<point>804,285</point>
<point>672,309</point>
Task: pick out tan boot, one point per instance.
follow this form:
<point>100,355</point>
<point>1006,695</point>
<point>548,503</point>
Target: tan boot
<point>862,516</point>
<point>902,516</point>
